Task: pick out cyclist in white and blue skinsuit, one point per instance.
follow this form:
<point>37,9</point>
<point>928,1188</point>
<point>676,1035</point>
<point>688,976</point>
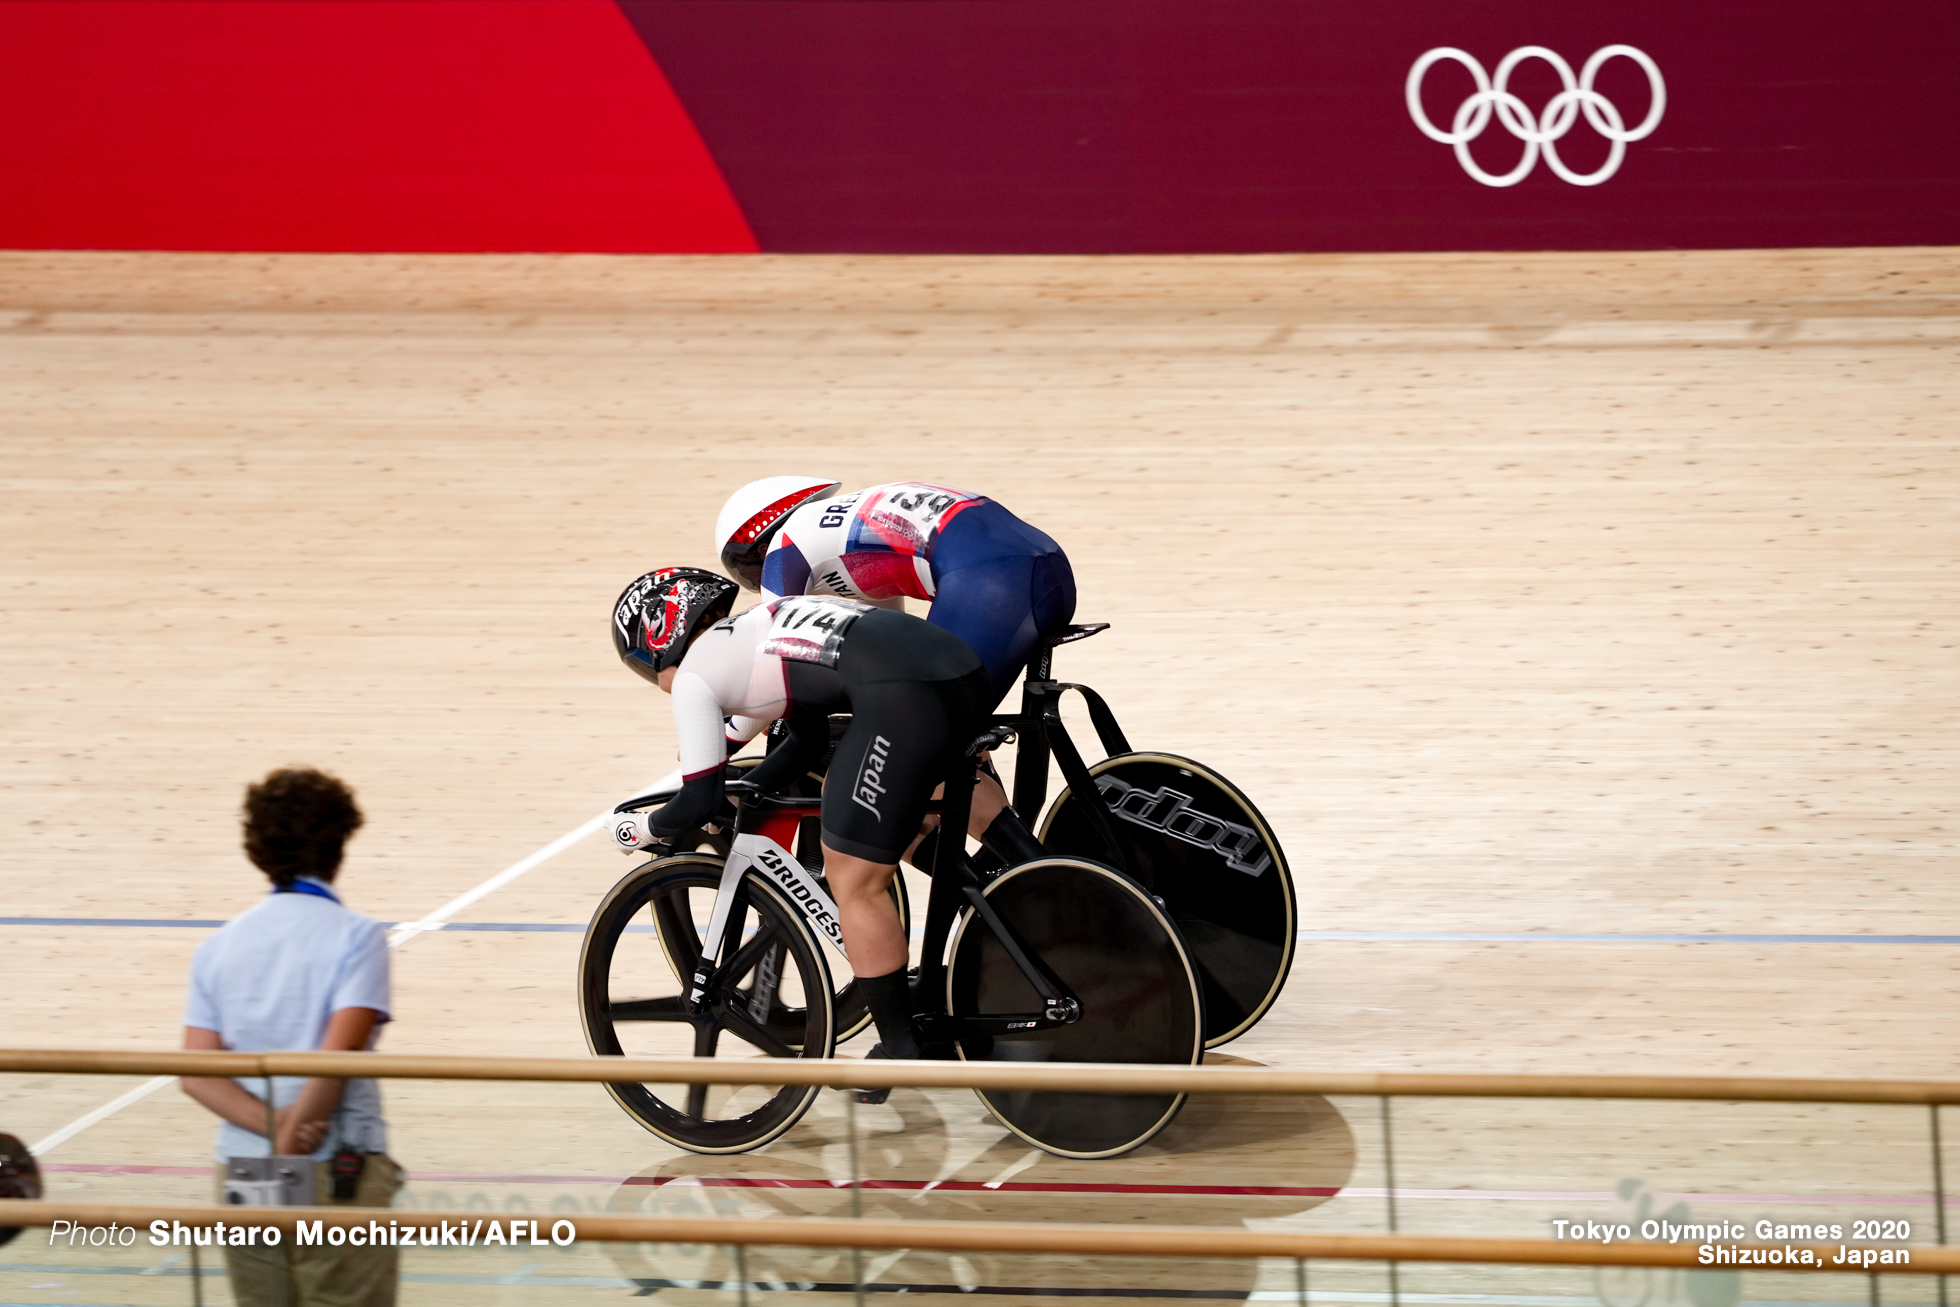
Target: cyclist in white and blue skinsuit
<point>993,580</point>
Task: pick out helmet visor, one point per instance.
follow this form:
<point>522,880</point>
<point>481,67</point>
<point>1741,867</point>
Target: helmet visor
<point>744,561</point>
<point>641,663</point>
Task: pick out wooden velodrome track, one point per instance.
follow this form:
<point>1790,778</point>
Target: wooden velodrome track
<point>1564,596</point>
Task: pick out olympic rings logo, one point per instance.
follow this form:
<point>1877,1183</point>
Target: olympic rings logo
<point>1538,133</point>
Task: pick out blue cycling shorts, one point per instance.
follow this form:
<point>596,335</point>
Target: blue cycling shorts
<point>1000,585</point>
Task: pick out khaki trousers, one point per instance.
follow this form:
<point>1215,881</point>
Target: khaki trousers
<point>290,1276</point>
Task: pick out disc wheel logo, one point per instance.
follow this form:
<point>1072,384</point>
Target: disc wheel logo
<point>1170,811</point>
<point>1540,133</point>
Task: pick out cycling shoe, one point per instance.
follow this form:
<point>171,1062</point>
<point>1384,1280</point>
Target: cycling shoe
<point>871,1097</point>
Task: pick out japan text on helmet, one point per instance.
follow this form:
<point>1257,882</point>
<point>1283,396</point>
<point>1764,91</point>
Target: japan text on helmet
<point>749,520</point>
<point>659,614</point>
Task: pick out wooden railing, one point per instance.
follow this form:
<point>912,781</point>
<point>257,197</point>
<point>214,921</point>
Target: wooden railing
<point>994,1237</point>
<point>981,1236</point>
<point>1106,1078</point>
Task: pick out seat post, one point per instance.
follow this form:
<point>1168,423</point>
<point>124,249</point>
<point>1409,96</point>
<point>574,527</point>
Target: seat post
<point>1031,756</point>
<point>949,873</point>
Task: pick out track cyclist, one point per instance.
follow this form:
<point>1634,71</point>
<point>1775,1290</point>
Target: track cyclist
<point>992,580</point>
<point>917,696</point>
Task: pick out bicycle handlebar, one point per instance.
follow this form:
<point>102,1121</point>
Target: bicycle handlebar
<point>733,789</point>
<point>741,790</point>
<point>999,733</point>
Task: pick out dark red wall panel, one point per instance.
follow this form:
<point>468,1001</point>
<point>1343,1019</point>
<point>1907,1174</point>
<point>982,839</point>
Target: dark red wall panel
<point>346,125</point>
<point>956,125</point>
<point>1166,125</point>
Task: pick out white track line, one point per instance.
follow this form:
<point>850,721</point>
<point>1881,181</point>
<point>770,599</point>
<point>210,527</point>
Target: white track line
<point>101,1113</point>
<point>400,935</point>
<point>408,930</point>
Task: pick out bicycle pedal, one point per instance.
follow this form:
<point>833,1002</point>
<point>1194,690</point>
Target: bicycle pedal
<point>869,1097</point>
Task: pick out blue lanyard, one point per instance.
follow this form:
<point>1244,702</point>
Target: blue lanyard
<point>313,887</point>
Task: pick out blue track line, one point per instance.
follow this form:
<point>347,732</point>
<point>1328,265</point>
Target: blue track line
<point>1604,937</point>
<point>1320,936</point>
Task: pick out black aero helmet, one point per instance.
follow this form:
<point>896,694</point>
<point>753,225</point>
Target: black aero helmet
<point>658,615</point>
<point>748,522</point>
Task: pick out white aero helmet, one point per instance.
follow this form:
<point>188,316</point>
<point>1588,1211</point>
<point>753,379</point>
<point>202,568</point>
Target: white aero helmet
<point>749,520</point>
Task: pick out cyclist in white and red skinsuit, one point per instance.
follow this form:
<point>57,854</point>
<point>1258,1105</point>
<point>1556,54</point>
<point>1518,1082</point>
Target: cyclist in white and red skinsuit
<point>917,697</point>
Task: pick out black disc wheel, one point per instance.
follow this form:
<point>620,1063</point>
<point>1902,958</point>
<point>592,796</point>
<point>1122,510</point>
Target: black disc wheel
<point>772,997</point>
<point>1121,957</point>
<point>1194,841</point>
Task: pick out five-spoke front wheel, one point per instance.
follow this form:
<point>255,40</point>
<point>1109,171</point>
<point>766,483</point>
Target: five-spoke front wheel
<point>772,997</point>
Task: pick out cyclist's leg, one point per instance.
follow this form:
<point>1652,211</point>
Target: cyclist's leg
<point>986,603</point>
<point>879,951</point>
<point>1002,606</point>
<point>1000,585</point>
<point>903,735</point>
<point>1052,596</point>
<point>865,911</point>
<point>991,822</point>
<point>888,764</point>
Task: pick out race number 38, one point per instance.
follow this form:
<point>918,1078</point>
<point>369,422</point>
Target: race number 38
<point>811,628</point>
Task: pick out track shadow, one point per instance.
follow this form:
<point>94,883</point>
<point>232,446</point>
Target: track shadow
<point>939,1155</point>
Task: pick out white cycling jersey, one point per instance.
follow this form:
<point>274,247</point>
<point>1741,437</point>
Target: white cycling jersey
<point>873,545</point>
<point>735,669</point>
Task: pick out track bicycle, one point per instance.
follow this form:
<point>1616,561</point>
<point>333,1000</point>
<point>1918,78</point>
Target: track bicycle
<point>1056,959</point>
<point>1155,823</point>
<point>1175,826</point>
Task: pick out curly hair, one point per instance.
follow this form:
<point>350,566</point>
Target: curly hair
<point>297,820</point>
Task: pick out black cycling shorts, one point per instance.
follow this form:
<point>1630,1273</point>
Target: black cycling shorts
<point>917,696</point>
<point>904,739</point>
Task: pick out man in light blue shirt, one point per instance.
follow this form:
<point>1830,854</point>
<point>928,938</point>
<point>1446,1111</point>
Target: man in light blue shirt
<point>299,971</point>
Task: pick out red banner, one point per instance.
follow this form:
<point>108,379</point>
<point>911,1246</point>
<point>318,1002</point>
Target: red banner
<point>427,125</point>
<point>976,125</point>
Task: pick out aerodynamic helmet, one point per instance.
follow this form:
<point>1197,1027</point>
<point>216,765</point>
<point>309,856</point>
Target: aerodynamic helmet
<point>750,518</point>
<point>659,614</point>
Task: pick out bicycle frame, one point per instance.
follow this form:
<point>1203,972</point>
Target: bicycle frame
<point>765,827</point>
<point>760,849</point>
<point>761,827</point>
<point>954,884</point>
<point>1042,733</point>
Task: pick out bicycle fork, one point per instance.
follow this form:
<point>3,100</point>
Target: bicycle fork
<point>732,870</point>
<point>773,862</point>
